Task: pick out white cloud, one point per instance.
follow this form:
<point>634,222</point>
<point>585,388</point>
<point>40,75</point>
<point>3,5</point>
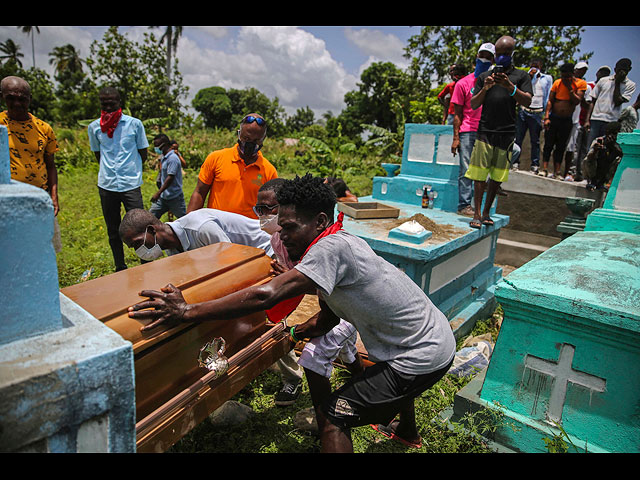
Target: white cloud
<point>284,62</point>
<point>378,45</point>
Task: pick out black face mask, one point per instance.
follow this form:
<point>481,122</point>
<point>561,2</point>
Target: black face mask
<point>249,149</point>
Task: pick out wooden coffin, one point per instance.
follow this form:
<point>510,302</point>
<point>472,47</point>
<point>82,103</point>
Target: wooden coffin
<point>174,393</point>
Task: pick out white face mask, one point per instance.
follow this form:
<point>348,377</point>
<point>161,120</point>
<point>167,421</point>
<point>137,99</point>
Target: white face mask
<point>149,254</point>
<point>269,224</point>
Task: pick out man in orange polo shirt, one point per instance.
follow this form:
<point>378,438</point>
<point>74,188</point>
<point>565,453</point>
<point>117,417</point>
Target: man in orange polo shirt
<point>232,176</point>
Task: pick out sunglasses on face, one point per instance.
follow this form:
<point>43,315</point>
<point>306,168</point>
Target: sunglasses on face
<point>261,210</point>
<point>251,119</point>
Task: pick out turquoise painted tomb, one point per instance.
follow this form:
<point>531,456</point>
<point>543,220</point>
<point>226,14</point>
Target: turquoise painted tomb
<point>66,380</point>
<point>455,269</point>
<point>565,361</point>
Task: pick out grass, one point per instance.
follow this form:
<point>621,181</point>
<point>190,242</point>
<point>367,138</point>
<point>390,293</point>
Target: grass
<point>271,429</point>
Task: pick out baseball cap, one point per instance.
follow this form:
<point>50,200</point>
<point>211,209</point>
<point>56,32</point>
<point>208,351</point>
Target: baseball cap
<point>580,65</point>
<point>488,47</point>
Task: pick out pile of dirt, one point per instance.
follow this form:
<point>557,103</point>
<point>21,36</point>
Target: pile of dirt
<point>440,232</point>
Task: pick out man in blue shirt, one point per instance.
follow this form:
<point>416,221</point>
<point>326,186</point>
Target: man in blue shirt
<point>169,197</point>
<point>530,118</point>
<point>120,145</point>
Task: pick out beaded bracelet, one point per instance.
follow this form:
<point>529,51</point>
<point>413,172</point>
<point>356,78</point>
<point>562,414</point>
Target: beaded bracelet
<point>514,91</point>
<point>293,335</point>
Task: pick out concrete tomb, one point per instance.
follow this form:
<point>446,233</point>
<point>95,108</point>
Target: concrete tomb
<point>452,262</point>
<point>564,362</point>
<point>66,380</point>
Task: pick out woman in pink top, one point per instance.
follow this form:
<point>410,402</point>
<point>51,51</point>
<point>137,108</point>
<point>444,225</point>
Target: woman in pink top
<point>465,125</point>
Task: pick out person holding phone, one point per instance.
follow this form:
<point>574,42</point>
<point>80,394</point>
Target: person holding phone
<point>498,91</point>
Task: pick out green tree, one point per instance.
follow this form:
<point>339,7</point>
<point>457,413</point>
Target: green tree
<point>43,98</point>
<point>304,117</point>
<point>435,48</point>
<point>171,35</point>
<point>11,53</point>
<point>251,100</point>
<point>31,31</point>
<point>76,95</point>
<point>383,88</point>
<point>137,70</point>
<point>65,58</point>
<point>214,107</point>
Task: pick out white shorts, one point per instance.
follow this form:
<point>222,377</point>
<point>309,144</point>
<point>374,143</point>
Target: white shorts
<point>320,352</point>
<point>571,144</point>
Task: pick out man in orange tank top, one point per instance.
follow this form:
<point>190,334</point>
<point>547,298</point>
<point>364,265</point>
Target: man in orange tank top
<point>566,94</point>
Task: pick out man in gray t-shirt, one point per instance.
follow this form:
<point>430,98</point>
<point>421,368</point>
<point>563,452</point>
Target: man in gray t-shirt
<point>406,335</point>
<point>396,321</point>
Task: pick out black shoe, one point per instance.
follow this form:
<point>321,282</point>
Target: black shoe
<point>288,394</point>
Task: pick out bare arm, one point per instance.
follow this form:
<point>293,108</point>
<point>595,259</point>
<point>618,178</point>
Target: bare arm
<point>478,99</point>
<point>457,121</point>
<point>197,197</point>
<point>52,181</point>
<point>168,307</point>
<point>319,324</point>
<point>545,121</point>
<point>167,183</point>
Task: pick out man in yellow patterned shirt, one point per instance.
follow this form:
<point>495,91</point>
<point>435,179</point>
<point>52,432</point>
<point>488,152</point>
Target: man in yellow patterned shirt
<point>32,143</point>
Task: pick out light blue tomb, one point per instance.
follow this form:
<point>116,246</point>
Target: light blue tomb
<point>458,274</point>
<point>66,380</point>
<point>566,358</point>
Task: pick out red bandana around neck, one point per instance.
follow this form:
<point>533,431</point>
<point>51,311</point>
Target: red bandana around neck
<point>284,308</point>
<point>109,121</point>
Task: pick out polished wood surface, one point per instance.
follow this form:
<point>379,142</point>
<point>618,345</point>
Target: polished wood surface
<point>165,360</point>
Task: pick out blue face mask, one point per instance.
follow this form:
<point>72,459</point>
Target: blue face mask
<point>157,150</point>
<point>504,60</point>
<point>482,65</point>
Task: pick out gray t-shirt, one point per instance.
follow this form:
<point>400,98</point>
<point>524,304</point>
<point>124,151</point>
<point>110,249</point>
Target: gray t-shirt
<point>396,320</point>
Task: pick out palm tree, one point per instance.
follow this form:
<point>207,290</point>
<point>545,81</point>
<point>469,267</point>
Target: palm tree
<point>30,30</point>
<point>66,58</point>
<point>171,35</point>
<point>11,52</point>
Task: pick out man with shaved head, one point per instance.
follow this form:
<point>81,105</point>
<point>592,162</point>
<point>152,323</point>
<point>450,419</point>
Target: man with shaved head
<point>232,176</point>
<point>32,144</point>
<point>498,92</point>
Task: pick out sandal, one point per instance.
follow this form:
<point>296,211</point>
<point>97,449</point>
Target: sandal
<point>388,432</point>
<point>487,221</point>
<point>475,223</point>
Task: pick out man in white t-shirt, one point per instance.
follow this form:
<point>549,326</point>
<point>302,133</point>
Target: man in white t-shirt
<point>607,98</point>
<point>408,338</point>
<point>142,231</point>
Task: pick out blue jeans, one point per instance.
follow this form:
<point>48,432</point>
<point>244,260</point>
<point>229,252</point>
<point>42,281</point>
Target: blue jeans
<point>597,130</point>
<point>465,185</point>
<point>174,205</point>
<point>533,123</point>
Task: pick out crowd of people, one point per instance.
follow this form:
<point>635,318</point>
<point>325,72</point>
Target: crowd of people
<point>407,338</point>
<point>577,120</point>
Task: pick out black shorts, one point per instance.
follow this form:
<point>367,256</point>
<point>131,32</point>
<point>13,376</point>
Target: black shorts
<point>377,395</point>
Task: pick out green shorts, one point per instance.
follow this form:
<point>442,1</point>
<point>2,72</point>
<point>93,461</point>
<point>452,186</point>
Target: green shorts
<point>490,159</point>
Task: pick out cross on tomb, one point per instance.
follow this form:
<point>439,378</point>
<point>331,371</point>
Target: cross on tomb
<point>562,373</point>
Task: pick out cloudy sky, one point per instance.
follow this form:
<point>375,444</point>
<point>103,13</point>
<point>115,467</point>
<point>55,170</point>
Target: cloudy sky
<point>302,66</point>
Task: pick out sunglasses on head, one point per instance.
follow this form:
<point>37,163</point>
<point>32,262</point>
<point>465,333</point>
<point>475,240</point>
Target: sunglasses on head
<point>260,210</point>
<point>250,119</point>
